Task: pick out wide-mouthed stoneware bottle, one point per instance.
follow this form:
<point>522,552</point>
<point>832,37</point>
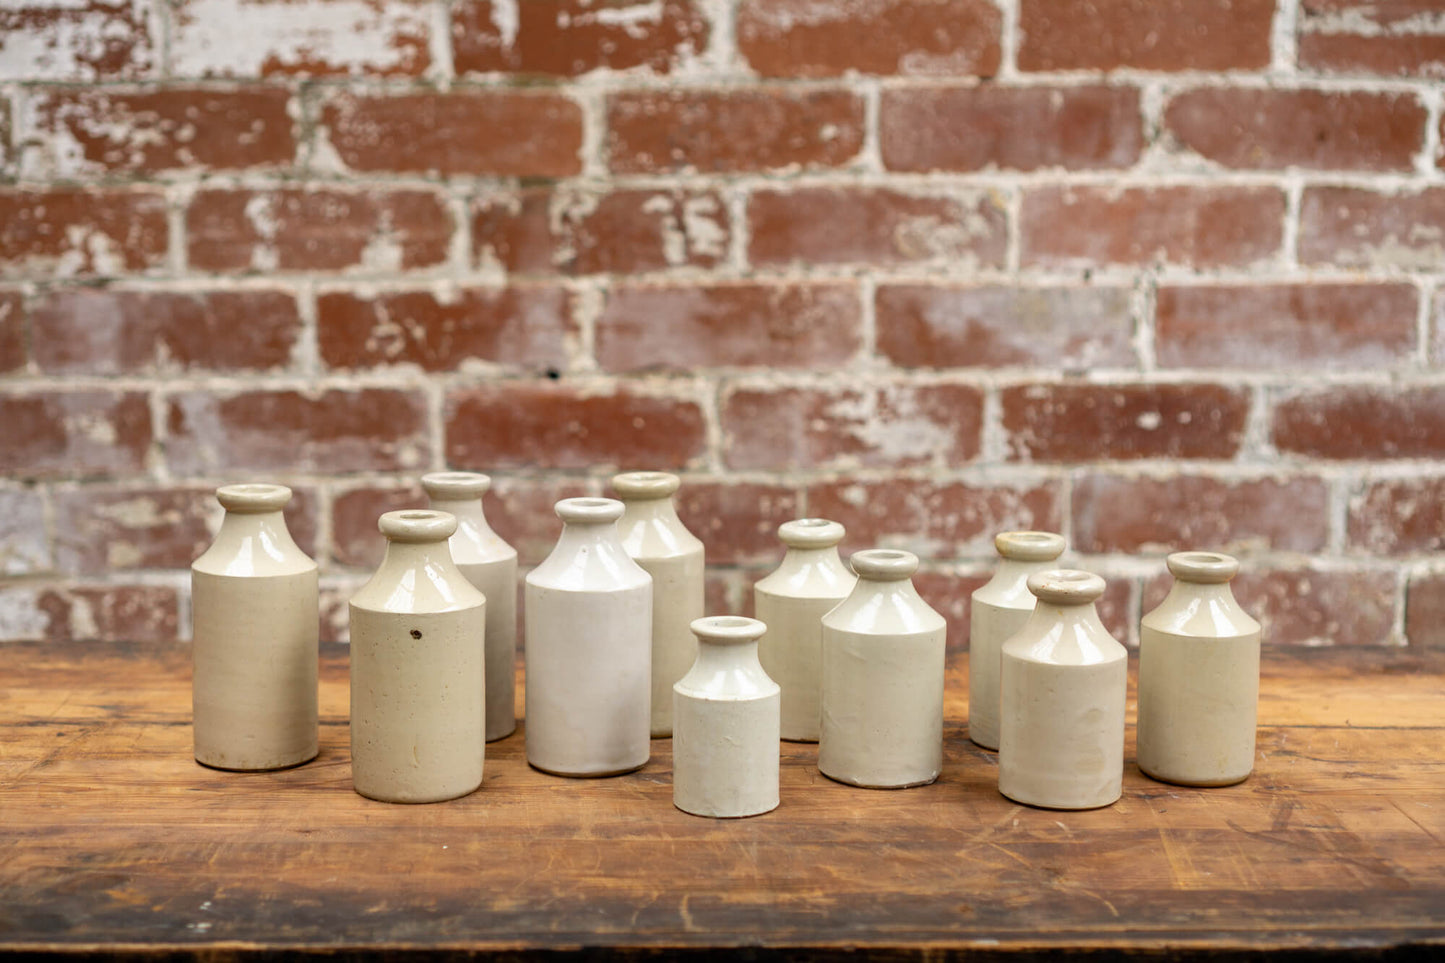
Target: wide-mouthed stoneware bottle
<point>883,650</point>
<point>999,609</point>
<point>725,754</point>
<point>418,668</point>
<point>658,541</point>
<point>1198,677</point>
<point>490,564</point>
<point>255,617</point>
<point>792,602</point>
<point>1064,685</point>
<point>589,649</point>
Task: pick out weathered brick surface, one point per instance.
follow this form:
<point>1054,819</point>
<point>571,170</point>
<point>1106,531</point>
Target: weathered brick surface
<point>1398,516</point>
<point>87,41</point>
<point>1399,38</point>
<point>1145,34</point>
<point>24,541</point>
<point>1425,610</point>
<point>68,434</point>
<point>355,539</point>
<point>1357,228</point>
<point>12,331</point>
<point>61,613</point>
<point>76,233</point>
<point>1362,423</point>
<point>737,522</point>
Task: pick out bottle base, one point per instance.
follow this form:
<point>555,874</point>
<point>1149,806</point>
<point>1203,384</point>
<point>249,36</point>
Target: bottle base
<point>812,739</point>
<point>587,775</point>
<point>279,767</point>
<point>858,783</point>
<point>1197,783</point>
<point>1060,806</point>
<point>501,735</point>
<point>703,815</point>
<point>984,744</point>
<point>415,800</point>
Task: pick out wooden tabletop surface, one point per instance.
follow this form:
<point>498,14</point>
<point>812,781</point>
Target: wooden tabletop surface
<point>113,840</point>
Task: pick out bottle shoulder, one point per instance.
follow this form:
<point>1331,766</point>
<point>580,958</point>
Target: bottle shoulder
<point>1200,612</point>
<point>656,538</point>
<point>884,609</point>
<point>588,564</point>
<point>816,578</point>
<point>253,547</point>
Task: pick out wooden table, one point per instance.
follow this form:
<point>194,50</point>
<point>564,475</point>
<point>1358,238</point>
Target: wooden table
<point>115,841</point>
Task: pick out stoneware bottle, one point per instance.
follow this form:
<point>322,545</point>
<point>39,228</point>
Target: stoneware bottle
<point>1064,678</point>
<point>882,679</point>
<point>792,602</point>
<point>1000,609</point>
<point>490,564</point>
<point>1198,677</point>
<point>725,753</point>
<point>255,615</point>
<point>589,649</point>
<point>658,541</point>
<point>418,668</point>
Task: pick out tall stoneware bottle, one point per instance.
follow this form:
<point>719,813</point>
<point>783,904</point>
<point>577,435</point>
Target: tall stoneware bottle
<point>658,541</point>
<point>1064,678</point>
<point>255,615</point>
<point>1000,608</point>
<point>1198,677</point>
<point>490,564</point>
<point>418,668</point>
<point>792,601</point>
<point>588,649</point>
<point>883,652</point>
<point>725,752</point>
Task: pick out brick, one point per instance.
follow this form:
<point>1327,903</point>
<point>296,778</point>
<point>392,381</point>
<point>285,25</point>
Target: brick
<point>1310,129</point>
<point>737,521</point>
<point>1398,516</point>
<point>522,511</point>
<point>1200,227</point>
<point>1118,609</point>
<point>106,331</point>
<point>501,133</point>
<point>741,324</point>
<point>1086,422</point>
<point>73,233</point>
<point>1139,514</point>
<point>892,425</point>
<point>806,38</point>
<point>24,542</point>
<point>83,41</point>
<point>1283,326</point>
<point>70,434</point>
<point>1351,227</point>
<point>951,326</point>
<point>12,331</point>
<point>520,325</point>
<point>321,229</point>
<point>1018,128</point>
<point>733,131</point>
<point>1347,422</point>
<point>1425,610</point>
<point>528,425</point>
<point>369,429</point>
<point>355,539</point>
<point>101,613</point>
<point>1400,38</point>
<point>951,596</point>
<point>1168,35</point>
<point>876,226</point>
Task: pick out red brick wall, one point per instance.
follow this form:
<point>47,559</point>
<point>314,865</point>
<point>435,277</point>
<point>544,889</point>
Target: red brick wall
<point>1154,273</point>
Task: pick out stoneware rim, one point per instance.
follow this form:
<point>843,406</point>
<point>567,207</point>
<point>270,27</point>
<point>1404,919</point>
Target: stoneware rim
<point>417,525</point>
<point>456,485</point>
<point>645,484</point>
<point>589,510</point>
<point>253,497</point>
<point>884,564</point>
<point>811,533</point>
<point>1204,567</point>
<point>1066,586</point>
<point>1029,546</point>
<point>727,629</point>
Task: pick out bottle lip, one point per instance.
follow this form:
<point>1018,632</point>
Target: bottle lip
<point>1029,546</point>
<point>884,564</point>
<point>417,525</point>
<point>253,497</point>
<point>1209,568</point>
<point>589,510</point>
<point>727,629</point>
<point>1066,586</point>
<point>811,533</point>
<point>645,484</point>
<point>455,485</point>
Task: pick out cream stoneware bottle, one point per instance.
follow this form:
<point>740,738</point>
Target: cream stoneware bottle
<point>883,651</point>
<point>998,610</point>
<point>418,668</point>
<point>255,620</point>
<point>792,601</point>
<point>725,753</point>
<point>490,564</point>
<point>1198,677</point>
<point>1064,681</point>
<point>658,541</point>
<point>589,649</point>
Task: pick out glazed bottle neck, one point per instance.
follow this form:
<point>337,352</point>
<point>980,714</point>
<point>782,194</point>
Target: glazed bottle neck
<point>468,511</point>
<point>434,557</point>
<point>715,657</point>
<point>826,557</point>
<point>261,534</point>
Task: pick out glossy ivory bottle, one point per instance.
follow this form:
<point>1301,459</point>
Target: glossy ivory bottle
<point>418,668</point>
<point>490,564</point>
<point>657,540</point>
<point>1064,680</point>
<point>254,611</point>
<point>883,652</point>
<point>589,649</point>
<point>998,610</point>
<point>1198,677</point>
<point>792,602</point>
<point>725,753</point>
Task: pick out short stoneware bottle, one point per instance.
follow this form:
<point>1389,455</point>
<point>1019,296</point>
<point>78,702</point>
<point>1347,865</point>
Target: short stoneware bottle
<point>1198,677</point>
<point>658,541</point>
<point>589,649</point>
<point>418,668</point>
<point>1000,608</point>
<point>792,601</point>
<point>1064,685</point>
<point>725,753</point>
<point>883,653</point>
<point>490,564</point>
<point>255,618</point>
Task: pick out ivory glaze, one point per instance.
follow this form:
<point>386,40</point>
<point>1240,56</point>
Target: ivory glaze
<point>792,601</point>
<point>725,753</point>
<point>1064,682</point>
<point>657,540</point>
<point>418,668</point>
<point>999,609</point>
<point>883,654</point>
<point>589,649</point>
<point>490,564</point>
<point>1198,678</point>
<point>254,611</point>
